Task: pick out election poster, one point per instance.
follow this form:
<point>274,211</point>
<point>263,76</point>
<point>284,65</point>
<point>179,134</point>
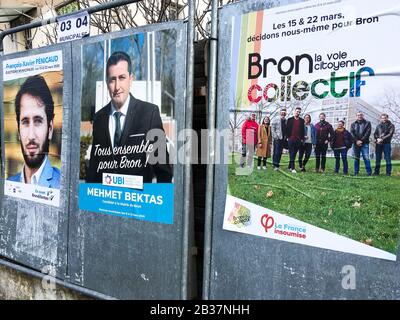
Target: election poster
<point>32,101</point>
<point>314,126</point>
<point>127,126</point>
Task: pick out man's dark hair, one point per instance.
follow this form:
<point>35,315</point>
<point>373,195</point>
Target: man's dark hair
<point>117,57</point>
<point>298,108</point>
<point>322,114</point>
<point>341,121</point>
<point>37,87</point>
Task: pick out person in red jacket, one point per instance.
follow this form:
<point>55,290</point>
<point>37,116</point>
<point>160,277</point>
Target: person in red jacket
<point>249,140</point>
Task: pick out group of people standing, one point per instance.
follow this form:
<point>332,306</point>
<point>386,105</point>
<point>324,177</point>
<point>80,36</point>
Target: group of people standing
<point>300,136</point>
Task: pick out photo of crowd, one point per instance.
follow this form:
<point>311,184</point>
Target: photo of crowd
<point>300,137</point>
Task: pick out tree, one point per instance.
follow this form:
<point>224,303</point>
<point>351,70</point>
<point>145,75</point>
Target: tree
<point>129,16</point>
<point>391,105</point>
<point>124,17</point>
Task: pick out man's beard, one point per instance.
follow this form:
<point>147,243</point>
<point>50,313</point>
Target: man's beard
<point>34,162</point>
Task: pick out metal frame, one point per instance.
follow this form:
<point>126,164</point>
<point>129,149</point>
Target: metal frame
<point>10,205</point>
<point>187,192</point>
<point>188,150</point>
<point>274,269</point>
<point>212,95</point>
<point>90,10</point>
<point>39,275</point>
<point>75,270</point>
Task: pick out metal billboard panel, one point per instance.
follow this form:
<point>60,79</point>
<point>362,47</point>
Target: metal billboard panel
<point>34,217</point>
<point>117,255</point>
<point>244,266</point>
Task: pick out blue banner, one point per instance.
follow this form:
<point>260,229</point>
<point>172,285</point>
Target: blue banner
<point>154,203</point>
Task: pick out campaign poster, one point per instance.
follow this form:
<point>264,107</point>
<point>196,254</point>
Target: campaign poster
<point>32,102</point>
<point>127,126</point>
<point>314,119</point>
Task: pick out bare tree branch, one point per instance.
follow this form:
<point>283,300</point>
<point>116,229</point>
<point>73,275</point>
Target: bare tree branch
<point>391,105</point>
<point>133,15</point>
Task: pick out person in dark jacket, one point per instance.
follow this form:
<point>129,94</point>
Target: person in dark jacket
<point>324,134</point>
<point>341,143</point>
<point>361,131</point>
<point>295,135</point>
<point>123,124</point>
<point>383,137</point>
<point>309,142</point>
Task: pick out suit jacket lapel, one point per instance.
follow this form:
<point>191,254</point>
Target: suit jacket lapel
<point>47,174</point>
<point>129,120</point>
<point>104,127</point>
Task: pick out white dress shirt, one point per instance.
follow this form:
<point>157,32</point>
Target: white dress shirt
<point>36,176</point>
<point>111,119</point>
<point>308,139</point>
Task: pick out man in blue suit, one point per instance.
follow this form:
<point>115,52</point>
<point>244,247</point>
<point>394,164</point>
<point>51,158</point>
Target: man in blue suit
<point>34,108</point>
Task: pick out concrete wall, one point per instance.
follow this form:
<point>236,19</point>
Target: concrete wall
<point>15,285</point>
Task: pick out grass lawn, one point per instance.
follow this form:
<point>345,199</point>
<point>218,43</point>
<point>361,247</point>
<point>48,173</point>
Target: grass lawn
<point>362,208</point>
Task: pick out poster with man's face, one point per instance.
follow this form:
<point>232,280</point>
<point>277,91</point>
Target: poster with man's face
<point>32,91</point>
<point>127,126</point>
